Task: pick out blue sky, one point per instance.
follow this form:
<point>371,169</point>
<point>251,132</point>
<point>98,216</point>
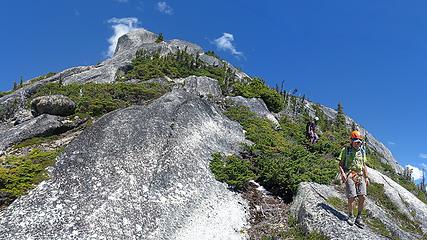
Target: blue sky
<point>369,55</point>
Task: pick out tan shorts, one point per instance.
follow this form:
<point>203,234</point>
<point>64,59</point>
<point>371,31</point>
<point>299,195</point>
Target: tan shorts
<point>353,189</point>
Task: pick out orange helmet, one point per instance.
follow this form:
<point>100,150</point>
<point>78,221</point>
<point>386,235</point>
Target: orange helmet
<point>356,135</point>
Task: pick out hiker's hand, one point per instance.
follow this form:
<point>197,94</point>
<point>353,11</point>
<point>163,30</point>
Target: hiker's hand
<point>367,181</point>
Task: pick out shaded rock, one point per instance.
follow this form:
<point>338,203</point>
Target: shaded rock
<point>42,125</point>
<point>143,174</point>
<point>201,86</point>
<point>59,105</point>
<point>257,106</point>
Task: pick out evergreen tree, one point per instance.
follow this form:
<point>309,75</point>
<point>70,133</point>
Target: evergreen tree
<point>340,118</point>
<point>21,82</point>
<point>15,85</point>
<point>160,38</point>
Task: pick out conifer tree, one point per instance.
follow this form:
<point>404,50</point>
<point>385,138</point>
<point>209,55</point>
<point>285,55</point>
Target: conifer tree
<point>340,118</point>
<point>160,38</point>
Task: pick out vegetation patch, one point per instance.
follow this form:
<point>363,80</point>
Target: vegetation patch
<point>295,232</point>
<point>376,192</point>
<point>97,99</point>
<point>277,160</point>
<point>231,169</point>
<point>36,141</point>
<point>176,65</point>
<point>18,174</point>
<point>256,88</point>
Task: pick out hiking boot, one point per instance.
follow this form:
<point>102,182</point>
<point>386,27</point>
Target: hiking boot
<point>350,220</point>
<point>359,222</point>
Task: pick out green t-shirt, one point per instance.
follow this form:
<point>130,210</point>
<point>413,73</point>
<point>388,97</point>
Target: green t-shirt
<point>355,159</point>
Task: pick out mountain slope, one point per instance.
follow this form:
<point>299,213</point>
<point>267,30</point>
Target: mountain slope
<point>143,171</point>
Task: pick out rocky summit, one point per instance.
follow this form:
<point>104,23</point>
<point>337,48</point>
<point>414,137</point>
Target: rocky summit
<point>208,154</point>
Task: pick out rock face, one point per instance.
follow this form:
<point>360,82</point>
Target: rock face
<point>257,106</point>
<point>201,86</point>
<point>39,126</point>
<point>315,213</point>
<point>143,174</point>
<point>59,105</point>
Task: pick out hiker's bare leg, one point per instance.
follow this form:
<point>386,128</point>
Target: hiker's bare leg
<point>361,203</point>
<point>350,205</point>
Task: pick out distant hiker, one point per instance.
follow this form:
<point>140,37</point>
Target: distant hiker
<point>311,131</point>
<point>355,176</point>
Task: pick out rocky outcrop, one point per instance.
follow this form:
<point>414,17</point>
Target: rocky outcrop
<point>314,213</point>
<point>39,126</point>
<point>201,86</point>
<point>143,174</point>
<point>257,106</point>
<point>58,105</point>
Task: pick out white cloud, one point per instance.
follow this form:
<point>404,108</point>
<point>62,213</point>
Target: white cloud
<point>121,1</point>
<point>416,172</point>
<point>121,26</point>
<point>225,43</point>
<point>391,143</point>
<point>164,8</point>
<point>424,166</point>
<point>423,155</point>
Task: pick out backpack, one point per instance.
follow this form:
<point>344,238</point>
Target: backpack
<point>348,151</point>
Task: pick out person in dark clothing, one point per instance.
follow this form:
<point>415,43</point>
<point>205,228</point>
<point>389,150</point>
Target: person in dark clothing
<point>311,131</point>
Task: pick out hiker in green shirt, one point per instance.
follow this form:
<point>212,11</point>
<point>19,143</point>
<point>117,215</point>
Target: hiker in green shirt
<point>355,176</point>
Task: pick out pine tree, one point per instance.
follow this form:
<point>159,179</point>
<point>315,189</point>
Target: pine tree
<point>15,85</point>
<point>21,82</point>
<point>340,118</point>
<point>160,38</point>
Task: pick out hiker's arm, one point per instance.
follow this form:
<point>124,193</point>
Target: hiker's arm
<point>365,173</point>
<point>365,170</point>
<point>340,166</point>
<point>342,173</point>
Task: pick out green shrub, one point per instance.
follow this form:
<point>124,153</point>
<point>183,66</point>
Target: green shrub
<point>232,170</point>
<point>178,65</point>
<point>256,88</point>
<point>18,174</point>
<point>279,160</point>
<point>97,99</point>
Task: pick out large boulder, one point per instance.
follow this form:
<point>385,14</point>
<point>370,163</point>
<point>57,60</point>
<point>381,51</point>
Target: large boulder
<point>59,105</point>
<point>138,173</point>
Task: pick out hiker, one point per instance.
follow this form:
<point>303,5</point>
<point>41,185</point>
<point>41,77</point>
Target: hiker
<point>311,131</point>
<point>354,174</point>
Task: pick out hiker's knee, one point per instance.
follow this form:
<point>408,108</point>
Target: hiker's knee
<point>361,198</point>
<point>350,200</point>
